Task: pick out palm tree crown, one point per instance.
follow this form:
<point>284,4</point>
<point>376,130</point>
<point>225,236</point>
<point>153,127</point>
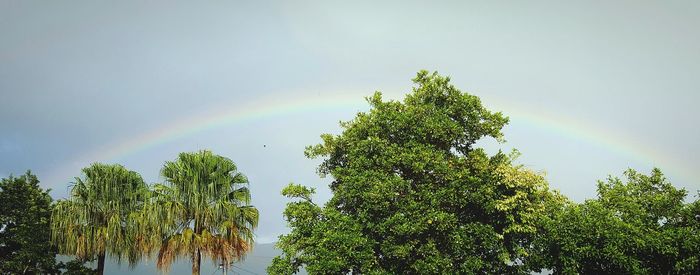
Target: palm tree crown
<point>93,221</point>
<point>202,209</point>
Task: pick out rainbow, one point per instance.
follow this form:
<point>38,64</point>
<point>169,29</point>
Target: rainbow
<point>280,106</point>
<point>584,131</point>
<point>226,115</point>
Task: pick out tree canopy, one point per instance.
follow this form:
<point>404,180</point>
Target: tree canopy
<point>25,214</point>
<point>203,209</point>
<point>94,221</point>
<point>412,193</point>
<point>641,226</point>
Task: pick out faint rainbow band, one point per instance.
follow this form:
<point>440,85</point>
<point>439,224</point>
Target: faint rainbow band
<point>242,112</point>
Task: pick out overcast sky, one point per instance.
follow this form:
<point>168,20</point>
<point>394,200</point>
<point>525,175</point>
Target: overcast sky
<point>591,88</point>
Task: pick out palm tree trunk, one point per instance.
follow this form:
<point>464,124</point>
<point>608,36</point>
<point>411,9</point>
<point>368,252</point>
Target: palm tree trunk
<point>196,261</point>
<point>101,264</point>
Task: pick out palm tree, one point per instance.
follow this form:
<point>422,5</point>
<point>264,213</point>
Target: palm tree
<point>94,220</point>
<point>202,210</point>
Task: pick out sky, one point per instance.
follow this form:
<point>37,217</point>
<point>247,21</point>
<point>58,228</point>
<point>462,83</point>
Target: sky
<point>591,87</point>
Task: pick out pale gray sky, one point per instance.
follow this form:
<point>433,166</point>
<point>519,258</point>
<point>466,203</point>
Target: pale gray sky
<point>592,87</point>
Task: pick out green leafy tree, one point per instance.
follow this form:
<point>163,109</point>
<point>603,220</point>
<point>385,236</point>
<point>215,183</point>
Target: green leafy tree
<point>413,194</point>
<point>25,213</point>
<point>76,267</point>
<point>642,226</point>
<point>343,246</point>
<point>202,210</point>
<point>95,220</point>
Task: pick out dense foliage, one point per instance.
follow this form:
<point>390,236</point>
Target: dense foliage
<point>642,226</point>
<point>203,209</point>
<point>25,213</point>
<point>412,194</point>
<point>76,267</point>
<point>94,221</point>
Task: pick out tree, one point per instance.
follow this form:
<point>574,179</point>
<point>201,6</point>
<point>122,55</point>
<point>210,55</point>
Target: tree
<point>95,220</point>
<point>76,267</point>
<point>202,210</point>
<point>343,246</point>
<point>642,226</point>
<point>25,213</point>
<point>413,194</point>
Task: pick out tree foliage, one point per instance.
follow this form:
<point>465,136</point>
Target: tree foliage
<point>95,220</point>
<point>76,267</point>
<point>25,213</point>
<point>641,226</point>
<point>202,210</point>
<point>412,193</point>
